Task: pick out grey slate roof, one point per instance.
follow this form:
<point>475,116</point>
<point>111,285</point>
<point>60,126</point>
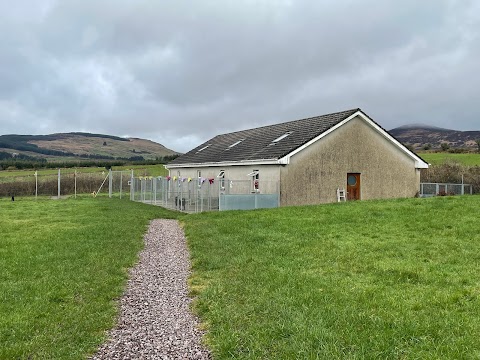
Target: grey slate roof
<point>257,143</point>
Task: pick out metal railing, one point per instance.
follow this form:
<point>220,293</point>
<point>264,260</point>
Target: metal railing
<point>200,194</point>
<point>435,189</point>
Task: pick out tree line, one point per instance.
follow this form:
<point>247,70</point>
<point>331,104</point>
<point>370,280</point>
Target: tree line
<point>21,162</point>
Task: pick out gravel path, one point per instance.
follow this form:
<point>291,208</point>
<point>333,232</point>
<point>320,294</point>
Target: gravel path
<point>155,321</point>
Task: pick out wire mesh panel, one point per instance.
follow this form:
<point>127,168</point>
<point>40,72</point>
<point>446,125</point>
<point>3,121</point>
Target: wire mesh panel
<point>249,194</point>
<point>17,186</point>
<point>439,189</point>
<point>201,194</point>
<point>66,182</point>
<point>119,183</point>
<point>184,194</point>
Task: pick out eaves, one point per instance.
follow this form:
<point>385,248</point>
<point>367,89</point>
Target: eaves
<point>281,161</point>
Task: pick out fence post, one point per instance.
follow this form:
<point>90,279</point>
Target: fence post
<point>132,188</point>
<point>154,185</point>
<point>278,193</point>
<point>110,183</point>
<point>151,191</point>
<point>121,183</point>
<point>220,194</point>
<point>75,181</point>
<point>58,195</point>
<point>36,184</point>
<point>144,182</point>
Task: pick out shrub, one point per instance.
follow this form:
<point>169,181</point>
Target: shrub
<point>458,150</point>
<point>451,172</point>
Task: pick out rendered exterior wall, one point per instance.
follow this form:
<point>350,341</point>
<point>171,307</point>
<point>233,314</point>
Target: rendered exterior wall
<point>269,176</point>
<point>315,173</point>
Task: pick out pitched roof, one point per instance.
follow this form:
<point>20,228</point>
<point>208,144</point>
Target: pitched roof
<point>259,143</point>
<point>276,143</point>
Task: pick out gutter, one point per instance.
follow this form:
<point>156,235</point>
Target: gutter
<point>228,163</point>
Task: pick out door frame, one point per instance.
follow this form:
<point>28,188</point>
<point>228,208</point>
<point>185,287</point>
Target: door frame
<point>358,185</point>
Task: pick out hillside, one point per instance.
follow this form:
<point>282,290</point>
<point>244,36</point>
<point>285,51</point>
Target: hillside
<point>419,135</point>
<point>82,145</point>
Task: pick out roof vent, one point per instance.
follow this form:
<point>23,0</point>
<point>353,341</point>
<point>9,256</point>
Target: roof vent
<point>203,148</point>
<point>235,144</point>
<point>281,137</point>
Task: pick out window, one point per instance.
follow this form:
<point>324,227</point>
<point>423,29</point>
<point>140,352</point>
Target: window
<point>199,173</point>
<point>281,137</point>
<point>221,176</point>
<point>255,176</point>
<point>203,148</point>
<point>352,180</point>
<point>235,144</point>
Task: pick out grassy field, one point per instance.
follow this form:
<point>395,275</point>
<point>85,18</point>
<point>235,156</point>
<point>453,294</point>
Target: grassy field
<point>145,170</point>
<point>139,170</point>
<point>440,158</point>
<point>361,280</point>
<point>392,279</point>
<point>63,263</point>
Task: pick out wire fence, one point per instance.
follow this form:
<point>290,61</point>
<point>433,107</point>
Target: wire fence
<point>452,173</point>
<point>183,194</point>
<point>442,189</point>
<point>120,184</point>
<point>62,183</point>
<point>199,195</point>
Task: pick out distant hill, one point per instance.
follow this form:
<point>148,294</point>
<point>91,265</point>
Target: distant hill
<point>418,135</point>
<point>82,146</point>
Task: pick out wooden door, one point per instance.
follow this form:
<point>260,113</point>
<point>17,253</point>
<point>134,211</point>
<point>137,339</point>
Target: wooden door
<point>353,186</point>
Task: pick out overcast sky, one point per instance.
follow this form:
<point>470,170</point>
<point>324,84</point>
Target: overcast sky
<point>179,72</point>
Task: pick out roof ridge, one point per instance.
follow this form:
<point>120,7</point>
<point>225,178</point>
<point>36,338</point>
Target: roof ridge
<point>258,140</point>
<point>292,121</point>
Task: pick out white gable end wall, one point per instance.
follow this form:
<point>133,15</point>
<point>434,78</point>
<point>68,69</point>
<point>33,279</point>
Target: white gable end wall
<point>316,171</point>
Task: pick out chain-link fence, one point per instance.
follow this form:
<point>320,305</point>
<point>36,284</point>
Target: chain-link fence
<point>119,183</point>
<point>190,195</point>
<point>198,195</point>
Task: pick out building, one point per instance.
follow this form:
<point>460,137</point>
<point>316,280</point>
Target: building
<point>309,160</point>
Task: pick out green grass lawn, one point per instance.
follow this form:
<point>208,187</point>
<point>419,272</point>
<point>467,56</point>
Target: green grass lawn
<point>470,159</point>
<point>63,264</point>
<point>361,280</point>
<point>358,280</point>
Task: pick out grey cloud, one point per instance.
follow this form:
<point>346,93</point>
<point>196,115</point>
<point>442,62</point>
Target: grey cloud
<point>180,72</point>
